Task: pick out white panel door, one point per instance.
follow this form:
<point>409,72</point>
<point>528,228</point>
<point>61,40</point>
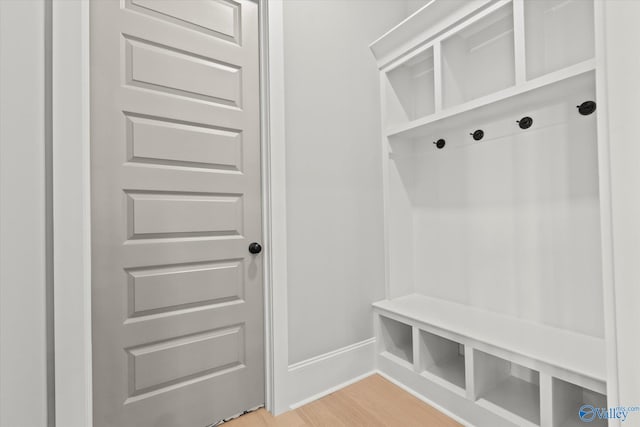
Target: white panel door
<point>177,297</point>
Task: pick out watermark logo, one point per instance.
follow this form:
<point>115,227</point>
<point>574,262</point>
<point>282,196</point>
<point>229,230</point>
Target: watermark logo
<point>588,413</point>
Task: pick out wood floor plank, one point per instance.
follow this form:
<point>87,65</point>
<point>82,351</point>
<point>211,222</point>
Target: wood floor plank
<point>371,402</point>
<point>319,414</point>
<point>395,406</point>
<point>350,411</point>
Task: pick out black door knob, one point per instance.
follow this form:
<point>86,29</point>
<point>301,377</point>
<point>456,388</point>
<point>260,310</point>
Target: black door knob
<point>255,248</point>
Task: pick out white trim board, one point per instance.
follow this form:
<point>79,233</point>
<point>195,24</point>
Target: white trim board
<point>265,147</point>
<point>277,322</point>
<point>318,376</point>
<point>71,213</point>
<point>606,213</point>
<point>24,226</point>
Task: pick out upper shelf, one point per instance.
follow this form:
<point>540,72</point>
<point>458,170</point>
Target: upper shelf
<point>426,125</point>
<point>499,50</point>
<point>582,354</point>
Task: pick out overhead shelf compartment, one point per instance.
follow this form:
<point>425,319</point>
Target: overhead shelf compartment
<point>558,34</point>
<point>479,59</point>
<point>413,84</point>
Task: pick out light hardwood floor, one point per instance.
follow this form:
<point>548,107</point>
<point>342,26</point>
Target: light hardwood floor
<point>372,402</point>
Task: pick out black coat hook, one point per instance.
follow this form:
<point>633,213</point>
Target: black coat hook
<point>440,143</point>
<point>477,134</point>
<point>586,108</point>
<point>525,122</point>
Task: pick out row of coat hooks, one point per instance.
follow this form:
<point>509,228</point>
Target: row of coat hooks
<point>585,109</point>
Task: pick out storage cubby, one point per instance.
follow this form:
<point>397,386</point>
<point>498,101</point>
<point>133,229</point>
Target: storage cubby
<point>479,59</point>
<point>443,358</point>
<point>413,85</point>
<point>558,34</point>
<point>397,339</point>
<point>508,386</point>
<point>569,398</point>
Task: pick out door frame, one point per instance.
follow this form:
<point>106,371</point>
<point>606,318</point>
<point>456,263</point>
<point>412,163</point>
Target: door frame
<point>71,193</point>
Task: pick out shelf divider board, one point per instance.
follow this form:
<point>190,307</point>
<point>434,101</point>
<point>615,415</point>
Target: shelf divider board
<point>470,384</point>
<point>416,348</point>
<point>519,42</point>
<point>437,76</point>
<point>546,400</point>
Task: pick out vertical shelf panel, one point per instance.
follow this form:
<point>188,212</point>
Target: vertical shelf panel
<point>479,59</point>
<point>519,41</point>
<point>558,34</point>
<point>413,84</point>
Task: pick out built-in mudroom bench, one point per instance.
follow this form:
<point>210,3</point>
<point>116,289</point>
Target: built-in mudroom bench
<point>494,298</point>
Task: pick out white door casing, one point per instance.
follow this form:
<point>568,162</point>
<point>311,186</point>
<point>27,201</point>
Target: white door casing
<point>177,299</point>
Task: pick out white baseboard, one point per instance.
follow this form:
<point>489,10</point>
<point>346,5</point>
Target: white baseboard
<point>314,378</point>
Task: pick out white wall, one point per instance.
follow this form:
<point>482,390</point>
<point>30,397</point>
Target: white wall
<point>334,184</point>
<point>22,215</point>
